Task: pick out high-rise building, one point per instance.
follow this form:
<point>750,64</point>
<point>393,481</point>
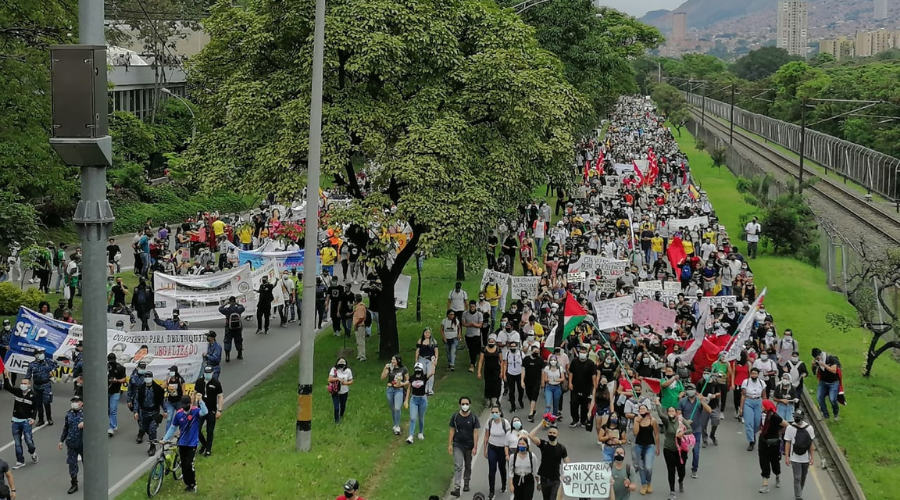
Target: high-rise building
<point>679,26</point>
<point>863,45</point>
<point>792,28</point>
<point>882,40</point>
<point>881,9</point>
<point>839,48</point>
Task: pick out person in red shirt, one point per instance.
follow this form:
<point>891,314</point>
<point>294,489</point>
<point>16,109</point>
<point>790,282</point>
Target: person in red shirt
<point>351,491</point>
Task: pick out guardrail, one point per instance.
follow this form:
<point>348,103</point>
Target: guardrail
<point>851,487</point>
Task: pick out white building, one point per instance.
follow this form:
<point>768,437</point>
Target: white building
<point>792,28</point>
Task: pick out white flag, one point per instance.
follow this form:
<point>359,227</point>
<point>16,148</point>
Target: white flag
<point>699,332</point>
<point>744,330</point>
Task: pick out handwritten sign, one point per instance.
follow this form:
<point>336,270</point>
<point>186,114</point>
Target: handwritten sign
<point>501,279</point>
<point>575,277</point>
<point>672,285</point>
<point>651,285</point>
<point>609,192</point>
<point>654,314</point>
<point>690,223</point>
<point>612,313</point>
<point>661,295</point>
<point>591,264</point>
<point>587,480</point>
<point>524,284</point>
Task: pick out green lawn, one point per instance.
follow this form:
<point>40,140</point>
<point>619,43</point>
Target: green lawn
<point>798,298</point>
<point>255,455</point>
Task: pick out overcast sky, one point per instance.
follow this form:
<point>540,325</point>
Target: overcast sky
<point>638,8</point>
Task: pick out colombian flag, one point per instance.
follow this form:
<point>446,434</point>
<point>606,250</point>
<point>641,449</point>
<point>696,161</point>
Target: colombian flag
<point>692,192</point>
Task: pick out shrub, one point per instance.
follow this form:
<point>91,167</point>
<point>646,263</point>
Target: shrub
<point>171,204</point>
<point>11,297</point>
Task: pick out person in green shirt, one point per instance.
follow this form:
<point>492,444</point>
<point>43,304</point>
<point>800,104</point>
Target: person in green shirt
<point>298,293</point>
<point>721,371</point>
<point>672,389</point>
<point>110,281</point>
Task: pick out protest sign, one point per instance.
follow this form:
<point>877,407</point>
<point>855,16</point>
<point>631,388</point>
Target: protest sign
<point>608,286</point>
<point>651,285</point>
<point>654,314</point>
<point>587,480</point>
<point>624,169</point>
<point>113,322</point>
<point>575,277</point>
<point>594,263</point>
<point>198,297</point>
<point>721,300</point>
<point>527,284</point>
<point>609,192</point>
<point>33,330</point>
<point>691,223</point>
<point>502,279</point>
<point>660,295</point>
<point>164,348</point>
<point>285,260</point>
<point>614,312</point>
<point>672,285</point>
<point>401,291</point>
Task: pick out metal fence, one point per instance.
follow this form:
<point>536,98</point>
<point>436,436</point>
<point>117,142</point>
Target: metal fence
<point>875,171</point>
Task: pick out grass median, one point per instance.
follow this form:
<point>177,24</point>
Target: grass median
<point>255,457</point>
<point>799,298</point>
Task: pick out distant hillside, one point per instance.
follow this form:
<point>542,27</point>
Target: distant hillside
<point>659,18</point>
<point>703,13</point>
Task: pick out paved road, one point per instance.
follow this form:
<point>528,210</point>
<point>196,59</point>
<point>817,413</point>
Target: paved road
<point>726,471</point>
<point>49,478</point>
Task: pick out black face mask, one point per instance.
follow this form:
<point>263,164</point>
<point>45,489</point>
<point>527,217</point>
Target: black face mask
<point>551,438</point>
<point>620,458</point>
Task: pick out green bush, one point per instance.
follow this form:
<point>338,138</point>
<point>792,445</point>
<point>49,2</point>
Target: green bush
<point>11,297</point>
<point>171,204</point>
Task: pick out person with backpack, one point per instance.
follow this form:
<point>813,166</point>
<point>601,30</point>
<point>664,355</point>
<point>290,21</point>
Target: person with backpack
<point>623,476</point>
<point>464,428</point>
<point>523,467</point>
<point>142,303</point>
<point>340,378</point>
<point>696,409</point>
<point>799,451</point>
<point>234,327</point>
<point>687,273</point>
<point>496,448</point>
<point>826,368</point>
<point>187,421</point>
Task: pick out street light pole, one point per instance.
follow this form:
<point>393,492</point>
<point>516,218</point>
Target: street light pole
<point>188,106</point>
<point>310,264</point>
<point>731,131</point>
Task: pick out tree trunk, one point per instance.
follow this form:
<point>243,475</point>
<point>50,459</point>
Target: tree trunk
<point>389,344</point>
<point>460,269</point>
<point>873,353</point>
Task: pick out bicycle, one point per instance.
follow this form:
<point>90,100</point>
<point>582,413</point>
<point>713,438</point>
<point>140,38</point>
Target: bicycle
<point>168,461</point>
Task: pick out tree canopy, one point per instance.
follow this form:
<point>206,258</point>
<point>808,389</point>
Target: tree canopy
<point>453,105</point>
<point>760,63</point>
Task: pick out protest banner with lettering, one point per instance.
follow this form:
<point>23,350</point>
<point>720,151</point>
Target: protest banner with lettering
<point>609,192</point>
<point>527,284</point>
<point>164,348</point>
<point>608,286</point>
<point>501,279</point>
<point>651,285</point>
<point>612,313</point>
<point>587,480</point>
<point>721,300</point>
<point>654,314</point>
<point>592,263</point>
<point>624,169</point>
<point>33,330</point>
<point>660,295</point>
<point>690,223</point>
<point>672,285</point>
<point>575,277</point>
<point>401,291</point>
<point>113,322</point>
<point>285,260</point>
<point>198,297</point>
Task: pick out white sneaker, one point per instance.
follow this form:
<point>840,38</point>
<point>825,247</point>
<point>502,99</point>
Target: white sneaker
<point>19,465</point>
<point>409,440</point>
<point>421,437</point>
<point>397,430</point>
<point>111,432</point>
<point>34,458</point>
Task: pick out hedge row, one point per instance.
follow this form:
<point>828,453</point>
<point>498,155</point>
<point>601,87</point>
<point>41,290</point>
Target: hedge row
<point>170,204</point>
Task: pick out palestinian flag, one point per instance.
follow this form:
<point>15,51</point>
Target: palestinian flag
<point>573,315</point>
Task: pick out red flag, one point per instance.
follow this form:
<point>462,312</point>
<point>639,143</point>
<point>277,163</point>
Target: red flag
<point>684,178</point>
<point>599,166</point>
<point>2,366</point>
<point>653,384</point>
<point>638,174</point>
<point>676,255</point>
<point>587,171</point>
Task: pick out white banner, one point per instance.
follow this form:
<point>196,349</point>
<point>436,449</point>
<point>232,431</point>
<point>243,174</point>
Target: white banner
<point>587,480</point>
<point>160,349</point>
<point>575,277</point>
<point>721,300</point>
<point>672,285</point>
<point>614,312</point>
<point>401,292</point>
<point>651,285</point>
<point>609,192</point>
<point>691,223</point>
<point>502,279</point>
<point>744,329</point>
<point>198,297</point>
<point>112,321</point>
<point>664,296</point>
<point>608,286</point>
<point>527,284</point>
<point>592,263</point>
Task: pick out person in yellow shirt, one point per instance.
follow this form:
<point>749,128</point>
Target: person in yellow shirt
<point>492,293</point>
<point>710,235</point>
<point>656,247</point>
<point>688,247</point>
<point>245,234</point>
<point>329,256</point>
<point>218,228</point>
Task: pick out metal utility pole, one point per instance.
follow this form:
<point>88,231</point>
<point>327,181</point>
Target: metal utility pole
<point>80,135</point>
<point>802,142</point>
<point>311,264</point>
<point>703,109</point>
<point>731,131</point>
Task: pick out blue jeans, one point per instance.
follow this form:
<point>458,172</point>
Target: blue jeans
<point>395,403</point>
<point>20,429</point>
<point>831,389</point>
<point>496,460</point>
<point>145,263</point>
<point>426,363</point>
<point>785,411</point>
<point>752,418</point>
<point>452,345</point>
<point>726,290</point>
<point>643,461</point>
<point>552,397</point>
<point>695,462</point>
<point>170,409</point>
<point>539,244</point>
<point>417,407</point>
<point>114,411</point>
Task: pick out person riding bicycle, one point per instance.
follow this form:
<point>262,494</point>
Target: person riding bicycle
<point>187,420</point>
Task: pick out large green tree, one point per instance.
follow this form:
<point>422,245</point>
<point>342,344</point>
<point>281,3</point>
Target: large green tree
<point>596,47</point>
<point>760,63</point>
<point>454,107</point>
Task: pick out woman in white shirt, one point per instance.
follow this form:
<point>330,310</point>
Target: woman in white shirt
<point>451,337</point>
<point>340,374</point>
<point>496,448</point>
<point>551,379</point>
<point>523,467</point>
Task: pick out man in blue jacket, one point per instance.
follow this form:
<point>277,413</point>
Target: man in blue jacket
<point>187,420</point>
<point>73,437</point>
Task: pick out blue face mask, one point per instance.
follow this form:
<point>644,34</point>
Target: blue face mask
<point>495,416</point>
<point>523,448</point>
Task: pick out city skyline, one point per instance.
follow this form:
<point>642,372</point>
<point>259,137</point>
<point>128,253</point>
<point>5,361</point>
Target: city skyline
<point>792,27</point>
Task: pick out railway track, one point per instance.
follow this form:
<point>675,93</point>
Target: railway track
<point>848,202</point>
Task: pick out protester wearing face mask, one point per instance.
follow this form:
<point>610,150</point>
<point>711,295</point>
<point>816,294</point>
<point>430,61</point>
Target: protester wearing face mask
<point>551,382</point>
<point>23,415</point>
<point>397,377</point>
<point>40,372</point>
<point>351,491</point>
<point>583,379</point>
<point>134,381</point>
<point>342,375</point>
<point>490,369</point>
<point>740,371</point>
<point>785,398</point>
<point>786,347</point>
<point>149,401</point>
<point>696,409</point>
<point>753,391</point>
<point>214,399</point>
<point>496,448</point>
<point>675,457</point>
<point>623,476</point>
<point>187,422</point>
<point>115,375</point>
<point>672,388</point>
<point>533,366</point>
<point>768,369</point>
<point>418,394</point>
<point>797,370</point>
<point>553,455</point>
<point>513,375</point>
<point>213,355</point>
<point>523,467</point>
<point>73,438</point>
<point>464,428</point>
<point>5,338</point>
<point>174,385</point>
<point>612,435</point>
<point>712,390</point>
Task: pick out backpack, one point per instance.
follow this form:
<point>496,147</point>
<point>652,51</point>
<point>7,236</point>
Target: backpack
<point>58,258</point>
<point>505,426</point>
<point>687,442</point>
<point>234,322</point>
<point>802,441</point>
<point>368,321</point>
<point>686,272</point>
